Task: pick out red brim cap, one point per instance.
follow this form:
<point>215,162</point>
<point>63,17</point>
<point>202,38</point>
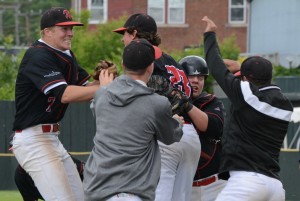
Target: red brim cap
<point>158,52</point>
<point>69,23</point>
<point>237,74</point>
<point>120,30</point>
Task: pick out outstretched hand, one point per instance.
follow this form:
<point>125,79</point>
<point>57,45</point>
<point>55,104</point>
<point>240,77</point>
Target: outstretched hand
<point>210,25</point>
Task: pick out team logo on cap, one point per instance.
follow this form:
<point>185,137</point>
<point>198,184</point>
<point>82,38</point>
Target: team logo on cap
<point>67,14</point>
<point>196,72</point>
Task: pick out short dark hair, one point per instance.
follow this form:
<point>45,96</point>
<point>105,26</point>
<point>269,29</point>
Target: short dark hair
<point>153,38</point>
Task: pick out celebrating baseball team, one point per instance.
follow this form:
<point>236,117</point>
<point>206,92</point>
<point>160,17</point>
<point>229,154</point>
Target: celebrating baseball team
<point>159,136</point>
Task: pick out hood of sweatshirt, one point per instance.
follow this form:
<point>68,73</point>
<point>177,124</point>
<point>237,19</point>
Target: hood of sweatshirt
<point>123,90</point>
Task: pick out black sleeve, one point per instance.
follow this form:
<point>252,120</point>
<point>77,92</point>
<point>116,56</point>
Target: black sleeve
<point>230,84</point>
<point>83,76</point>
<point>215,113</point>
<point>41,68</point>
<point>58,91</point>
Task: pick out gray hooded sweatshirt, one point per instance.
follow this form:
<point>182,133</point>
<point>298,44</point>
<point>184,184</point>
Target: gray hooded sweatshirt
<point>130,118</point>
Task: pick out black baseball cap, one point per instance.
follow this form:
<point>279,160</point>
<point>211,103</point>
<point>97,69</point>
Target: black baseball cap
<point>139,54</point>
<point>257,67</point>
<point>139,21</point>
<point>57,17</point>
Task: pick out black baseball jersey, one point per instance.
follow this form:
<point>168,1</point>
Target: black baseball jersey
<point>170,69</point>
<point>258,119</point>
<point>43,75</point>
<point>210,139</point>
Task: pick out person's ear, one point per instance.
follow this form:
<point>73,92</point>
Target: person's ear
<point>150,68</point>
<point>134,34</point>
<point>149,71</point>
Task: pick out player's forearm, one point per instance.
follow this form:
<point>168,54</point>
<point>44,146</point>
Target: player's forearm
<point>95,82</point>
<point>78,93</point>
<point>199,118</point>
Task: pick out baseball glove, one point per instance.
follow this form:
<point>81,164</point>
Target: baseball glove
<point>179,101</point>
<point>104,64</point>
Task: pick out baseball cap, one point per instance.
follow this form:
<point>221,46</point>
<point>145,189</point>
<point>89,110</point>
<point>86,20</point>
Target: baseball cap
<point>257,67</point>
<point>139,54</point>
<point>58,17</point>
<point>139,21</point>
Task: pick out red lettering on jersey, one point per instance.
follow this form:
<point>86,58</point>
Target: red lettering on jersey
<point>179,79</point>
<point>50,101</point>
<point>67,14</point>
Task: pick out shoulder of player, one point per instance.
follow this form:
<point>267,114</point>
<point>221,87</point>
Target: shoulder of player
<point>166,59</point>
<point>42,53</point>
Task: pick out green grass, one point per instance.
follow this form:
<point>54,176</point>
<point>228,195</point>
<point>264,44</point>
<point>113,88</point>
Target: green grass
<point>10,196</point>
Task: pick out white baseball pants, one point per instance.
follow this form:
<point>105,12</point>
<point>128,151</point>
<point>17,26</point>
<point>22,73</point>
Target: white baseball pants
<point>179,162</point>
<point>208,192</point>
<point>45,159</point>
<point>251,186</point>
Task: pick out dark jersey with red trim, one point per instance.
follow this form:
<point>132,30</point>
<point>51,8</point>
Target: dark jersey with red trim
<point>170,69</point>
<point>43,75</point>
<point>210,139</point>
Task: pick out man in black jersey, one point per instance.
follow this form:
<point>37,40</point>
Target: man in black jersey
<point>258,123</point>
<point>50,78</point>
<point>209,125</point>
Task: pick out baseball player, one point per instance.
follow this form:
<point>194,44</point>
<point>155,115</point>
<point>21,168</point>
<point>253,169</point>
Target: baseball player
<point>258,123</point>
<point>209,124</point>
<point>124,164</point>
<point>179,160</point>
<point>27,187</point>
<point>50,78</point>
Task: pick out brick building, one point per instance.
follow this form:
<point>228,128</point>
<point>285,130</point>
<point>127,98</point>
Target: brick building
<point>179,21</point>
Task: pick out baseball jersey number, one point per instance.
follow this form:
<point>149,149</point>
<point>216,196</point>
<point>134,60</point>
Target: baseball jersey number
<point>50,101</point>
<point>179,80</point>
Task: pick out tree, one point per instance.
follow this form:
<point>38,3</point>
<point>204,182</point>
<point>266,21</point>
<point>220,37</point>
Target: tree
<point>23,17</point>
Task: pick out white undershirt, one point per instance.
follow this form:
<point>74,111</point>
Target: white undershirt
<point>141,82</point>
<point>67,52</point>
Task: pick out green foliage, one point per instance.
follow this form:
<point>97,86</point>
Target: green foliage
<point>282,71</point>
<point>8,69</point>
<point>90,46</point>
<point>229,48</point>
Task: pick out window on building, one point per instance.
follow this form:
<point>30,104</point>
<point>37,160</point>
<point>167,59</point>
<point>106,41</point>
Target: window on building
<point>98,11</point>
<point>167,11</point>
<point>176,11</point>
<point>237,11</point>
